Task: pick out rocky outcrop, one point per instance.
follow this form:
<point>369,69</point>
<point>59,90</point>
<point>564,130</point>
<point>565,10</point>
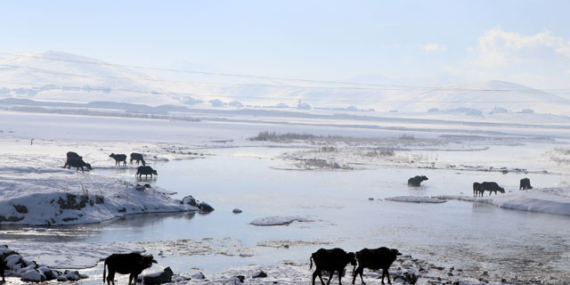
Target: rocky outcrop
<point>30,271</point>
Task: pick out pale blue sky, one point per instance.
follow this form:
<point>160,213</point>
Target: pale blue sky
<point>519,41</point>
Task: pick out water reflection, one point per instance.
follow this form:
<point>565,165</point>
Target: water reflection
<point>131,224</point>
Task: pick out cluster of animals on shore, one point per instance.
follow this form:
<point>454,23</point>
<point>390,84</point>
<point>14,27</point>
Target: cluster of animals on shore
<point>329,260</point>
<point>325,260</point>
<point>336,259</point>
<point>478,188</point>
<point>75,160</point>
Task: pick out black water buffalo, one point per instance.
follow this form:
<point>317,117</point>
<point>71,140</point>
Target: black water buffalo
<point>130,263</point>
<point>416,180</point>
<point>480,188</point>
<point>78,163</point>
<point>118,158</point>
<point>477,189</point>
<point>525,184</point>
<point>379,258</point>
<point>70,155</point>
<point>331,260</point>
<point>138,157</point>
<point>146,170</point>
<point>3,267</point>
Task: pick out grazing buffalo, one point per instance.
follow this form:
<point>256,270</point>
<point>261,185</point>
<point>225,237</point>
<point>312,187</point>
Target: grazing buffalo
<point>146,170</point>
<point>525,184</point>
<point>379,258</point>
<point>75,160</point>
<point>78,163</point>
<point>3,267</point>
<point>331,260</point>
<point>71,156</point>
<point>138,157</point>
<point>131,263</point>
<point>118,158</point>
<point>416,180</point>
<point>480,188</point>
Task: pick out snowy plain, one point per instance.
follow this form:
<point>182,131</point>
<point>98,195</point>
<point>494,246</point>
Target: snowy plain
<point>29,171</point>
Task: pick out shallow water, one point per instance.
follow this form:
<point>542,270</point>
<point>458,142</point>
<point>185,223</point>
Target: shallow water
<point>472,236</point>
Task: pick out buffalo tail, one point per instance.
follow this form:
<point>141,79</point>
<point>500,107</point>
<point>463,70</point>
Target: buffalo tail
<point>104,272</point>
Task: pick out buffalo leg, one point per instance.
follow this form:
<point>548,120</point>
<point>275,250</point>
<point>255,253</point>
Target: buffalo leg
<point>318,273</point>
<point>314,277</point>
<point>321,277</point>
<point>359,270</point>
<point>385,271</point>
<point>340,275</point>
<point>132,278</point>
<point>330,277</point>
<point>111,277</point>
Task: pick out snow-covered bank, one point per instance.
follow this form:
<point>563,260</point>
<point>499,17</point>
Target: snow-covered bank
<point>546,200</point>
<point>61,208</point>
<point>36,190</point>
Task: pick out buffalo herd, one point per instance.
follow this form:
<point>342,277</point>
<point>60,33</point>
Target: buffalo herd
<point>478,188</point>
<point>336,259</point>
<point>75,160</point>
<point>328,260</point>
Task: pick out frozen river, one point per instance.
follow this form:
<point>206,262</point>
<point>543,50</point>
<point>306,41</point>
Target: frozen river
<point>478,237</point>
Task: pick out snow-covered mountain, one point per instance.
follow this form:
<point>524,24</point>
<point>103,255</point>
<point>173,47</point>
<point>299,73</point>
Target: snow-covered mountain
<point>58,76</point>
<point>489,96</point>
<point>62,77</point>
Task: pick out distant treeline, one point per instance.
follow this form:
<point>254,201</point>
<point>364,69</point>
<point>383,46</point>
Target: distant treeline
<point>91,112</point>
<point>274,136</point>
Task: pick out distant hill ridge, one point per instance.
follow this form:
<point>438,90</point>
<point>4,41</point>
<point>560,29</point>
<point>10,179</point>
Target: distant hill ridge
<point>62,77</point>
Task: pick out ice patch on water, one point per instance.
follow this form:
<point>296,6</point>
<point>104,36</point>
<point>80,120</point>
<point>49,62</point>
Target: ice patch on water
<point>277,221</point>
<point>552,201</point>
<point>547,200</point>
<point>416,199</point>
